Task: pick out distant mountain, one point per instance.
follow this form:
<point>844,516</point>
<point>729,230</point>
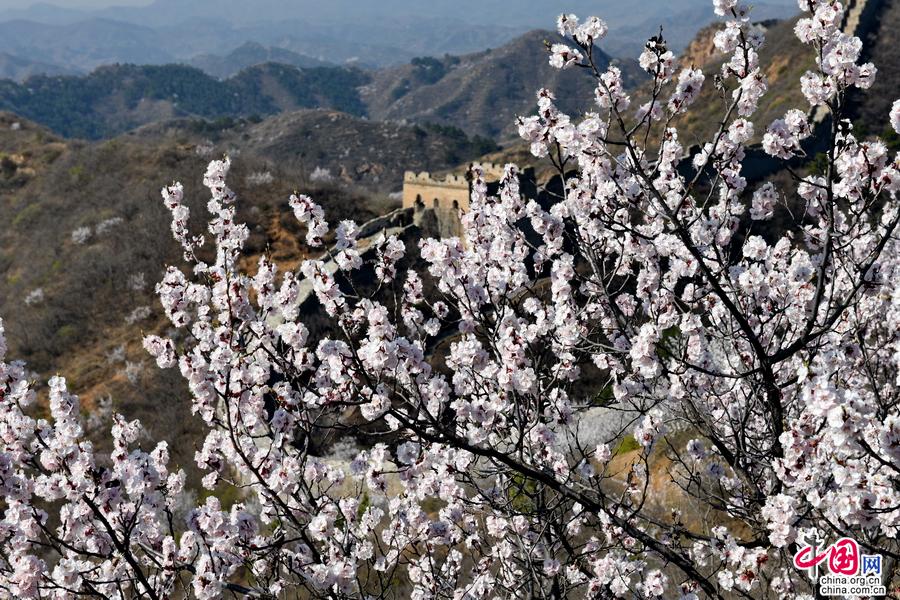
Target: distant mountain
<point>84,45</point>
<point>250,55</point>
<point>117,98</point>
<point>88,43</point>
<point>483,92</point>
<point>19,69</point>
<point>513,13</point>
<point>372,43</point>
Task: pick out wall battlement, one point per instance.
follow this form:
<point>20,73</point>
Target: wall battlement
<point>492,171</point>
<point>425,178</point>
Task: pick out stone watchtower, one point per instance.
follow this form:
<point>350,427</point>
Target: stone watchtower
<point>445,199</point>
<point>421,190</point>
<point>446,196</point>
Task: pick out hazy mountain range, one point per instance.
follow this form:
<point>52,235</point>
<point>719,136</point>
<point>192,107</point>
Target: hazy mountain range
<point>251,54</point>
<point>492,13</point>
<point>370,33</point>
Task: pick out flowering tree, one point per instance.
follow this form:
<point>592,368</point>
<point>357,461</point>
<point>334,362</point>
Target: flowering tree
<point>754,364</point>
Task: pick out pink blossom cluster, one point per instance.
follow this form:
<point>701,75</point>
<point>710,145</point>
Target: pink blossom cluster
<point>752,360</point>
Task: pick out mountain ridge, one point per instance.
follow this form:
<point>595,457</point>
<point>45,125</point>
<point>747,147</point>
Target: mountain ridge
<point>485,91</point>
<point>480,93</point>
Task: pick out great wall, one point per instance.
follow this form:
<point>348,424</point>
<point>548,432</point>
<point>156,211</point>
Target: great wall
<point>422,190</point>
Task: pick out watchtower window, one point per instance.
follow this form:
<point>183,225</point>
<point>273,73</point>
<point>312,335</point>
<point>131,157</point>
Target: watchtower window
<point>455,205</point>
<point>436,203</point>
<point>419,201</point>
